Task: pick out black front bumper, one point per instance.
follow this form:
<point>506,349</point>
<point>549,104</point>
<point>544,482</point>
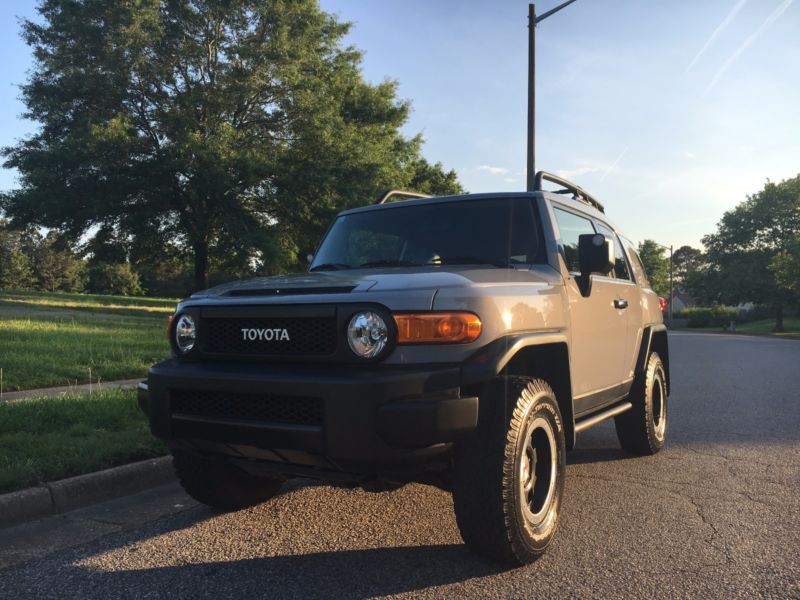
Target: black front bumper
<point>374,418</point>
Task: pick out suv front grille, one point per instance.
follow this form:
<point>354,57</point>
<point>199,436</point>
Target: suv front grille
<point>266,408</point>
<point>308,336</point>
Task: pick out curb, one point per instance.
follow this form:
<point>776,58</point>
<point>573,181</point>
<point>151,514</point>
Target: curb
<point>70,389</point>
<point>75,492</point>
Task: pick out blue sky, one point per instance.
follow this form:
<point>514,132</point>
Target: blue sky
<point>669,112</point>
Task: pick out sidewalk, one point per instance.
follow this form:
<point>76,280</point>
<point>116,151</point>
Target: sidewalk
<point>70,389</point>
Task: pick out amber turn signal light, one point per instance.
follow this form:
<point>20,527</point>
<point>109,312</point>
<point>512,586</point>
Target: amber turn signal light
<point>169,323</point>
<point>437,328</point>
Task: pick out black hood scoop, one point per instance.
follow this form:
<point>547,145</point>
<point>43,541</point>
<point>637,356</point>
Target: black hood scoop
<point>290,291</point>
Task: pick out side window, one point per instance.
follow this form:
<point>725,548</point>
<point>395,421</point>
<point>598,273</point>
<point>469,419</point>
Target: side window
<point>621,270</point>
<point>636,259</point>
<point>571,226</point>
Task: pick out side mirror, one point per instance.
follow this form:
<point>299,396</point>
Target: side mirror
<point>595,255</point>
<point>310,258</point>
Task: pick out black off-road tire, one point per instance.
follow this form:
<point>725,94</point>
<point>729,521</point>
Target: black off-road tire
<point>642,429</point>
<point>219,484</point>
<point>497,516</point>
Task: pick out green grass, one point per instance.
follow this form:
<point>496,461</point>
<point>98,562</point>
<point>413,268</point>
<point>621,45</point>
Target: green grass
<point>120,305</point>
<point>60,339</point>
<point>46,439</point>
<point>791,327</point>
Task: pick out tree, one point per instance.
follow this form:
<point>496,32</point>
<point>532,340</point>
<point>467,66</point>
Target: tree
<point>785,267</point>
<point>685,261</point>
<point>15,267</point>
<point>56,267</point>
<point>218,126</point>
<point>750,255</point>
<point>114,278</point>
<point>656,265</point>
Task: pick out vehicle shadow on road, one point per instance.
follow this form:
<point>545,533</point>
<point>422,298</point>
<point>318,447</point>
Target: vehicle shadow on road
<point>597,445</point>
<point>363,573</point>
<point>583,456</point>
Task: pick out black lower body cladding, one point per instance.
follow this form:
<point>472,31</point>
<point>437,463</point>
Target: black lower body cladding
<point>362,419</point>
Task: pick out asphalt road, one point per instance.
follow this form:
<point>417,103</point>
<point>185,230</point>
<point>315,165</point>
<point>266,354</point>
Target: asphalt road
<point>715,514</point>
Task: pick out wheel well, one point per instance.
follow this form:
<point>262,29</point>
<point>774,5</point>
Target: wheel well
<point>659,344</point>
<point>551,363</point>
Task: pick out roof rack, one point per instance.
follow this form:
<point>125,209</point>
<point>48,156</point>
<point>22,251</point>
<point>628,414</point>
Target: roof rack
<point>392,193</point>
<point>578,193</point>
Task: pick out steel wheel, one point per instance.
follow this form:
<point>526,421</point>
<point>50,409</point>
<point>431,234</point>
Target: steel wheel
<point>659,405</point>
<point>537,470</point>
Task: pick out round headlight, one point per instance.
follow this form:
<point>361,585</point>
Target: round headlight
<point>367,334</point>
<point>185,333</point>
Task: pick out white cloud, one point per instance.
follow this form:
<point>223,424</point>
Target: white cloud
<point>725,22</point>
<point>774,15</point>
<point>494,170</point>
<point>689,155</point>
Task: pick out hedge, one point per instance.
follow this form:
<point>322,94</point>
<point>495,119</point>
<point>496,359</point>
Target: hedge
<point>714,316</point>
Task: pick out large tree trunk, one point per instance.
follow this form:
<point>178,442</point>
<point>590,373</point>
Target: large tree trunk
<point>778,318</point>
<point>201,264</point>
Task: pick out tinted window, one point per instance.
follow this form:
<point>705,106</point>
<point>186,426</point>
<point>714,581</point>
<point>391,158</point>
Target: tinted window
<point>635,258</point>
<point>495,231</point>
<point>571,226</point>
<point>621,270</point>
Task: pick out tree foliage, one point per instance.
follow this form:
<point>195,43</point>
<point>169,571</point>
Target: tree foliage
<point>30,260</point>
<point>56,265</point>
<point>685,262</point>
<point>785,267</point>
<point>15,265</point>
<point>118,279</point>
<point>751,257</point>
<point>230,130</point>
<point>656,265</point>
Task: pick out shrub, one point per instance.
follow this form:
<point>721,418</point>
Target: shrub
<point>709,316</point>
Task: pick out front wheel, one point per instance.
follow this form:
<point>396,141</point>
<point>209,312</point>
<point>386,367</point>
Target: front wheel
<point>643,429</point>
<point>509,475</point>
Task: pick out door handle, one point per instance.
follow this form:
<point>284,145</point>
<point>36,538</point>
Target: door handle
<point>620,303</point>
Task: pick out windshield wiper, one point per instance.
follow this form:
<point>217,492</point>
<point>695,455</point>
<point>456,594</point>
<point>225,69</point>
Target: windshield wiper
<point>389,263</point>
<point>329,267</point>
<point>470,260</point>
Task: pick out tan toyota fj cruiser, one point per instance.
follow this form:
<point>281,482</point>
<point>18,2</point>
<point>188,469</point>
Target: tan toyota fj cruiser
<point>459,341</point>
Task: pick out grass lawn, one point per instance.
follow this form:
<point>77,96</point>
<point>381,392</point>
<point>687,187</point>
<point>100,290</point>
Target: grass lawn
<point>59,339</point>
<point>120,305</point>
<point>791,326</point>
<point>46,439</point>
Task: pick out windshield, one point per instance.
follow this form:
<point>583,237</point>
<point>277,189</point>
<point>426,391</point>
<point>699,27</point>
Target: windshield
<point>494,231</point>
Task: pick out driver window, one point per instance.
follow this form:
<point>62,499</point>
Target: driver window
<point>570,227</point>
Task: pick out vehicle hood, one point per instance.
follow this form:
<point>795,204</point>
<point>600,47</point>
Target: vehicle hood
<point>369,280</point>
<point>288,285</point>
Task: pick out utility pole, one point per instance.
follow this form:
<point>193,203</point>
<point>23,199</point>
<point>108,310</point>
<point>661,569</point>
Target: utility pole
<point>533,20</point>
<point>671,291</point>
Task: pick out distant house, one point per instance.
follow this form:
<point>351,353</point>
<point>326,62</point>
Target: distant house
<point>681,301</point>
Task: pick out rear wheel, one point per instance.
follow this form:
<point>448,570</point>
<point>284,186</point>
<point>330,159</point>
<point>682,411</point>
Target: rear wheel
<point>643,429</point>
<point>509,475</point>
<point>214,482</point>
